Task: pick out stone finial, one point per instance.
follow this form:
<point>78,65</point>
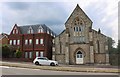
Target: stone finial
<point>99,31</point>
<point>15,24</point>
<point>77,5</point>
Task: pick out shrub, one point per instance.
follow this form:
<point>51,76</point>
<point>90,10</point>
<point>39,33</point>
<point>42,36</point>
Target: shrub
<point>18,53</point>
<point>5,51</point>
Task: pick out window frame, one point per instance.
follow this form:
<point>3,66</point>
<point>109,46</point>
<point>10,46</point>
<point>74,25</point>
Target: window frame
<point>40,30</point>
<point>26,41</point>
<point>37,53</point>
<point>80,29</point>
<point>30,55</point>
<point>18,42</point>
<point>30,41</point>
<point>41,54</point>
<point>30,31</point>
<point>74,28</point>
<point>10,42</point>
<point>26,54</point>
<point>48,32</point>
<point>37,41</point>
<point>16,31</point>
<point>77,29</point>
<point>14,42</point>
<point>41,41</point>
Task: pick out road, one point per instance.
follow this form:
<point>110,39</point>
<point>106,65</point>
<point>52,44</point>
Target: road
<point>27,71</point>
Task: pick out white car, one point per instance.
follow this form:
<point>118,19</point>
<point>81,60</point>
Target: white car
<point>44,61</point>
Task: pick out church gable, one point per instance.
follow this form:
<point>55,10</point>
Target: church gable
<point>79,43</point>
<point>78,13</point>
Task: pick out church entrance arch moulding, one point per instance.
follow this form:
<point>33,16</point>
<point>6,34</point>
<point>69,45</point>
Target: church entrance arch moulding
<point>79,56</point>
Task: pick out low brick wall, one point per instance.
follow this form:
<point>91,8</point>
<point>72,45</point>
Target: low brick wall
<point>17,59</point>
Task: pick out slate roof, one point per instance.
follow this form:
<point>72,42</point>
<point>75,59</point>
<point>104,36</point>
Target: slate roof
<point>24,29</point>
<point>2,35</point>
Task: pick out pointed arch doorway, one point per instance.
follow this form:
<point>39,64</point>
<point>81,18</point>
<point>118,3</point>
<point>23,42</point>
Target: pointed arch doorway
<point>79,57</point>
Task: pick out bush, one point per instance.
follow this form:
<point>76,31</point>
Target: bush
<point>114,59</point>
<point>18,53</point>
<point>5,51</point>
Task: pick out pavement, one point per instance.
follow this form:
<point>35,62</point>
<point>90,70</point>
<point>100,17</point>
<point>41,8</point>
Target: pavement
<point>27,71</point>
<point>71,68</point>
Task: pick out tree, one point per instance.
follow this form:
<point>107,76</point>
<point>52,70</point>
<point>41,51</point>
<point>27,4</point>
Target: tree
<point>0,51</point>
<point>111,49</point>
<point>5,51</point>
<point>12,51</point>
<point>18,53</point>
<point>113,52</point>
<point>118,47</point>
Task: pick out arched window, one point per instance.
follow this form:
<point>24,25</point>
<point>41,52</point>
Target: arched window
<point>78,25</point>
<point>78,30</point>
<point>77,21</point>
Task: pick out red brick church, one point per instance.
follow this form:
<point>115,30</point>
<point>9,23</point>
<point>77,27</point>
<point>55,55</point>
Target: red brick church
<point>33,40</point>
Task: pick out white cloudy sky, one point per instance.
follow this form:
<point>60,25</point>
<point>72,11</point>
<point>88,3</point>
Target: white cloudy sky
<point>103,13</point>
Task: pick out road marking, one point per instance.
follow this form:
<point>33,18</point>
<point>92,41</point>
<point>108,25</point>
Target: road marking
<point>4,67</point>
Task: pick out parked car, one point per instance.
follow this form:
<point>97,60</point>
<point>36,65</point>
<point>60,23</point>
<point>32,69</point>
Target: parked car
<point>44,61</point>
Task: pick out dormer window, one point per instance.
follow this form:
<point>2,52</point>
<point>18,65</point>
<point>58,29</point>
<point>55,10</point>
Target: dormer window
<point>54,35</point>
<point>40,29</point>
<point>30,31</point>
<point>51,34</point>
<point>47,31</point>
<point>15,30</point>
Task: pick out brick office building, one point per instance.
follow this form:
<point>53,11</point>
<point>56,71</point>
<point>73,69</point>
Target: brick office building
<point>33,40</point>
